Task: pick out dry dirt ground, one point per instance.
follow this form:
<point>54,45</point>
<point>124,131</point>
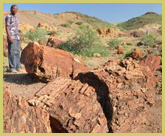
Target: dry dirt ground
<point>24,85</point>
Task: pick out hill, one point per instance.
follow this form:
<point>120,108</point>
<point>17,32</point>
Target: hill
<point>141,21</point>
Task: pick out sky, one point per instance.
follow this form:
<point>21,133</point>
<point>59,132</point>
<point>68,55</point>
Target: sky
<point>110,12</point>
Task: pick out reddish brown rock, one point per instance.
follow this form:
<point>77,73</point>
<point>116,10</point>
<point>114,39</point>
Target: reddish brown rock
<point>129,92</point>
<point>48,63</point>
<point>137,54</point>
<point>52,42</point>
<point>19,117</point>
<point>119,50</point>
<point>152,61</point>
<point>140,44</point>
<point>73,106</point>
<point>138,33</point>
<point>149,65</point>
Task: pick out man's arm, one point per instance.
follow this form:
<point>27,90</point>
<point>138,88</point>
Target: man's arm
<point>7,29</point>
<point>8,34</point>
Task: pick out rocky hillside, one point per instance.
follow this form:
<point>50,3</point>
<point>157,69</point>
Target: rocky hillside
<point>141,21</point>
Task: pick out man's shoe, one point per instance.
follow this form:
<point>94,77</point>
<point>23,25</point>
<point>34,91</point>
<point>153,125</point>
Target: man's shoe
<point>13,71</point>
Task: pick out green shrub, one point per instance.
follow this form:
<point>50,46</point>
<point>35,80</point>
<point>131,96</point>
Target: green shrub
<point>85,43</point>
<point>148,40</point>
<point>65,25</point>
<point>70,21</point>
<point>37,35</point>
<point>114,42</point>
<point>58,32</point>
<point>79,23</point>
<point>159,40</point>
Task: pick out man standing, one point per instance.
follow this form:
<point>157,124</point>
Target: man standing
<point>13,39</point>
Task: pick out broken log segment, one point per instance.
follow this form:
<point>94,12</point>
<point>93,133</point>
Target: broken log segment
<point>19,117</point>
<point>130,92</point>
<point>72,106</point>
<point>47,63</point>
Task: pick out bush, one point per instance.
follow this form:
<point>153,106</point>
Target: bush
<point>65,25</point>
<point>114,42</point>
<point>37,35</point>
<point>159,40</point>
<point>70,21</point>
<point>148,40</point>
<point>85,43</point>
<point>79,23</point>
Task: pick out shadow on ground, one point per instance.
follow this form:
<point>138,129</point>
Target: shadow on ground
<point>21,79</point>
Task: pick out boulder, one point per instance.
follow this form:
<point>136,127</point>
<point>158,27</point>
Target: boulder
<point>46,26</point>
<point>137,54</point>
<point>138,33</point>
<point>72,106</point>
<point>47,63</point>
<point>119,49</point>
<point>19,117</point>
<point>140,44</point>
<point>53,42</point>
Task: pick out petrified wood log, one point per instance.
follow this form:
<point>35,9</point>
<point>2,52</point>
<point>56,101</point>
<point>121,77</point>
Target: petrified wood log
<point>129,89</point>
<point>72,106</point>
<point>19,117</point>
<point>48,63</point>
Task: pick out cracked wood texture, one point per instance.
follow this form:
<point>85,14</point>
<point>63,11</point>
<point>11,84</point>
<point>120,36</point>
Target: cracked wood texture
<point>73,106</point>
<point>131,92</point>
<point>19,117</point>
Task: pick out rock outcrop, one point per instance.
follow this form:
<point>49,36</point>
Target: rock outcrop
<point>46,26</point>
<point>108,32</point>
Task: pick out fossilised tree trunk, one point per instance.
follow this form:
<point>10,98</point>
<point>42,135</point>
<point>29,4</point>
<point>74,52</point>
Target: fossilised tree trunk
<point>130,92</point>
<point>48,63</point>
<point>152,61</point>
<point>72,106</point>
<point>19,117</point>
